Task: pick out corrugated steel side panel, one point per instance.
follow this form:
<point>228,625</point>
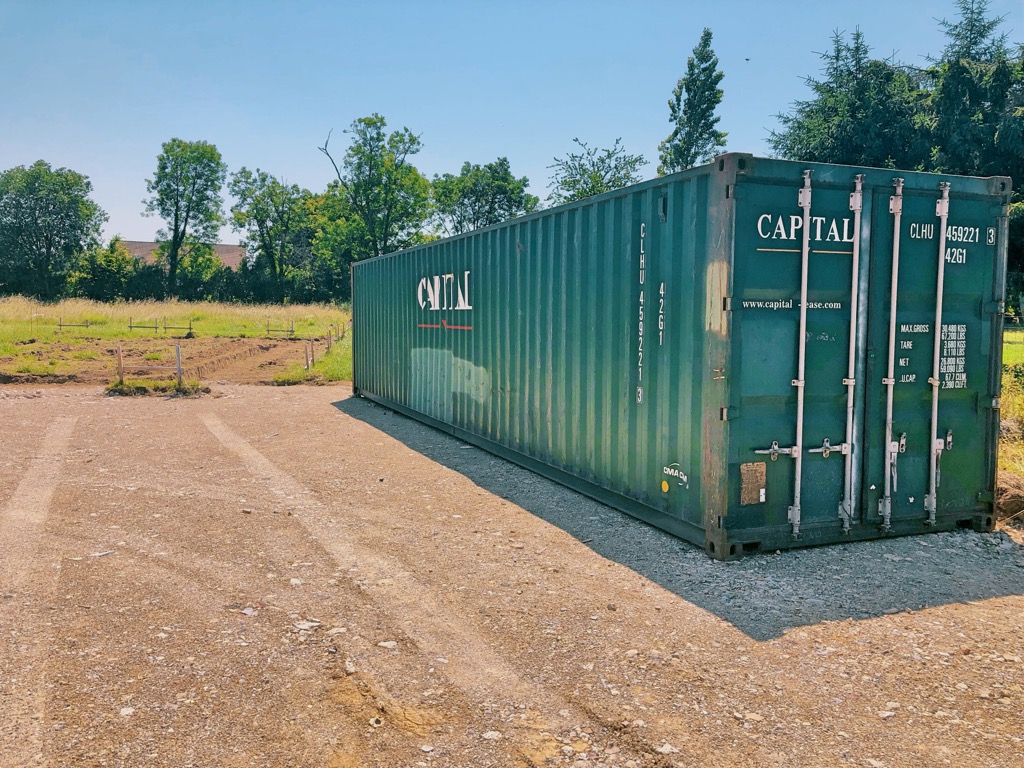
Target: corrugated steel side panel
<point>577,345</point>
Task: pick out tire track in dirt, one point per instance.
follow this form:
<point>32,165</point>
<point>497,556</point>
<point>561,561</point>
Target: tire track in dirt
<point>22,522</point>
<point>472,666</point>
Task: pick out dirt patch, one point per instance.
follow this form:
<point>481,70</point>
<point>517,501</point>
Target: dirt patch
<point>94,361</point>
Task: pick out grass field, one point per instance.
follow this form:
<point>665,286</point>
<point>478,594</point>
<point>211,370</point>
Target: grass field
<point>22,319</point>
<point>56,339</point>
<point>336,365</point>
<point>1011,442</point>
<point>1013,347</point>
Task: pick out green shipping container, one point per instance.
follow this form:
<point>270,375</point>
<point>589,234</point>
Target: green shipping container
<point>753,354</point>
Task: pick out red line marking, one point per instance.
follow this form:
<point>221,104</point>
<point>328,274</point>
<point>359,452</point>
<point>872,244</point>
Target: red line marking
<point>444,324</point>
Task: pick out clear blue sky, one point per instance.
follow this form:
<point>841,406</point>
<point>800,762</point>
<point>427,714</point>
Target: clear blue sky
<point>98,86</point>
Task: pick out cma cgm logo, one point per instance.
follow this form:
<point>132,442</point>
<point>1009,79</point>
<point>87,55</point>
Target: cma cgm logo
<point>439,292</point>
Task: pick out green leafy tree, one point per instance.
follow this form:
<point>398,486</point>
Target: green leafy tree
<point>978,107</point>
<point>46,220</point>
<point>480,196</point>
<point>384,190</point>
<point>104,274</point>
<point>864,112</point>
<point>148,281</point>
<point>336,239</point>
<point>695,137</point>
<point>185,192</point>
<point>200,273</point>
<point>978,98</point>
<point>272,216</point>
<point>592,171</point>
<point>973,36</point>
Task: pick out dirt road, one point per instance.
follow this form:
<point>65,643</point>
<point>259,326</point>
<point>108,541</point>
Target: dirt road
<point>291,577</point>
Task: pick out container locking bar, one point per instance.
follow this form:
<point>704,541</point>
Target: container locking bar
<point>938,444</point>
<point>775,450</point>
<point>827,448</point>
<point>846,507</point>
<point>885,503</point>
<point>804,200</point>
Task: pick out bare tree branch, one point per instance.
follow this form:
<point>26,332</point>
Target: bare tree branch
<point>337,171</point>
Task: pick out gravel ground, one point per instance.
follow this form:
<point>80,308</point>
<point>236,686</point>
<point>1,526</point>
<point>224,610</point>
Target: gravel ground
<point>764,595</point>
<point>292,577</point>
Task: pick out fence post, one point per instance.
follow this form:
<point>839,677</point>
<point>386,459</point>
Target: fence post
<point>120,367</point>
<point>177,355</point>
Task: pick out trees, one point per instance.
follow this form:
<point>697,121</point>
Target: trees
<point>336,240</point>
<point>272,215</point>
<point>46,219</point>
<point>964,114</point>
<point>384,190</point>
<point>864,112</point>
<point>978,97</point>
<point>104,274</point>
<point>694,138</point>
<point>480,196</point>
<point>185,193</point>
<point>973,35</point>
<point>593,171</point>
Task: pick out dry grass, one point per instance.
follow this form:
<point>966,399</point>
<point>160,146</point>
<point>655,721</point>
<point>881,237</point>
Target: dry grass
<point>22,318</point>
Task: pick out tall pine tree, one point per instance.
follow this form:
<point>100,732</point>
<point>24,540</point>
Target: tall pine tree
<point>864,112</point>
<point>695,137</point>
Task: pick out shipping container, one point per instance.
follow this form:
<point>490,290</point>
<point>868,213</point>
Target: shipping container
<point>754,354</point>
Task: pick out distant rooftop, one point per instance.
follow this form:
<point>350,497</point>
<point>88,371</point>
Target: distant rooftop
<point>230,255</point>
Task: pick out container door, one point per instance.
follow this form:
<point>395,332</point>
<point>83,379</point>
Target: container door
<point>794,356</point>
<point>929,394</point>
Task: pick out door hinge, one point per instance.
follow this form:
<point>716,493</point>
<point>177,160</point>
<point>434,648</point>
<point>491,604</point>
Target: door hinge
<point>896,201</point>
<point>727,304</point>
<point>856,201</point>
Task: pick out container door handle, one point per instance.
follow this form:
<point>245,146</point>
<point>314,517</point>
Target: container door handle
<point>827,448</point>
<point>775,451</point>
<point>885,503</point>
<point>937,443</point>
